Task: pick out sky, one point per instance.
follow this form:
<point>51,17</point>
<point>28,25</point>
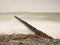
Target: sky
<point>29,5</point>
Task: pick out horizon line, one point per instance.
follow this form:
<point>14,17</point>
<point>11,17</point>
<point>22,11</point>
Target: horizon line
<point>26,12</point>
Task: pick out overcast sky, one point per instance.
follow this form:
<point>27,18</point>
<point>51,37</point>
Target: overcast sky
<point>30,5</point>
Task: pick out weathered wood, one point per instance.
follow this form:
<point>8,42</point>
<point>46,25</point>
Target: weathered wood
<point>36,31</point>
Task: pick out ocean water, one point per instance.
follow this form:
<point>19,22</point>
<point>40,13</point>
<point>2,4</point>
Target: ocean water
<point>49,23</point>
